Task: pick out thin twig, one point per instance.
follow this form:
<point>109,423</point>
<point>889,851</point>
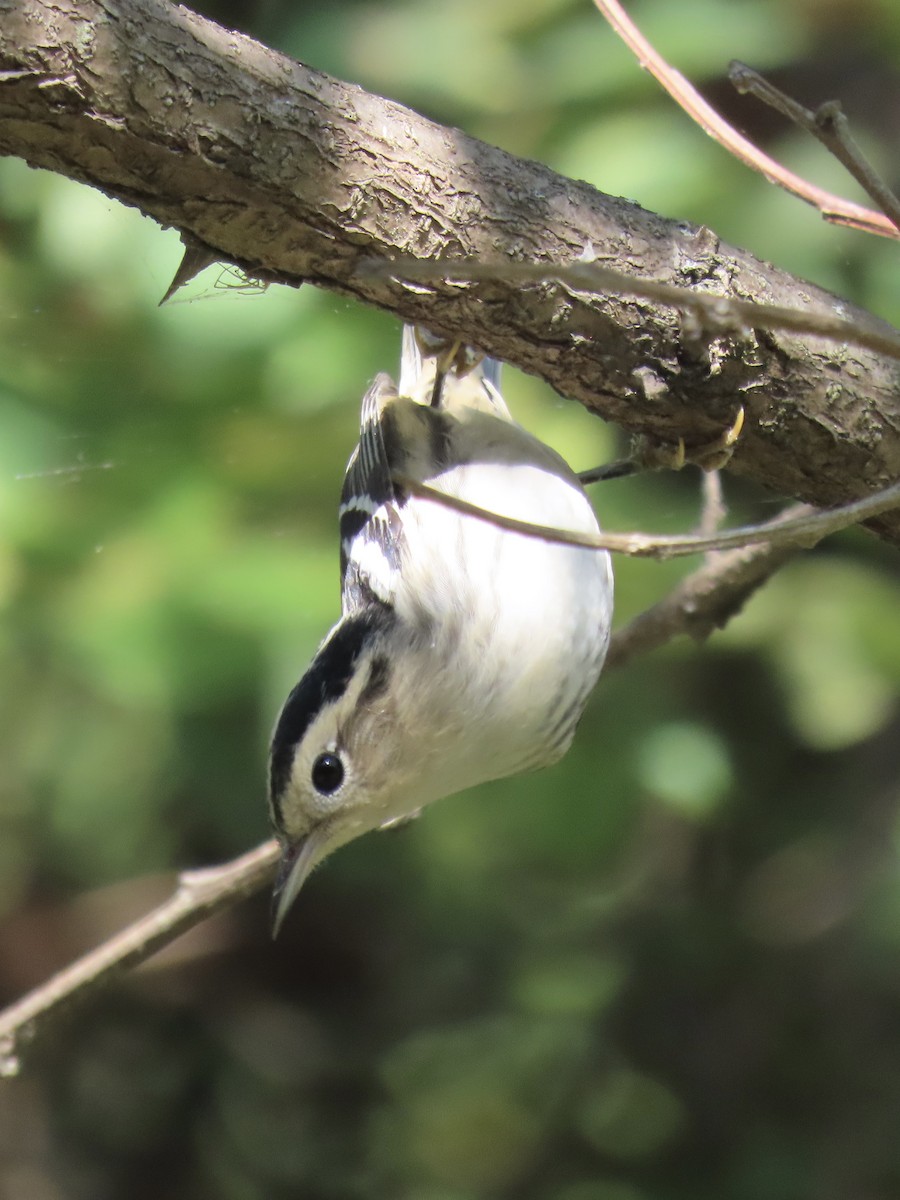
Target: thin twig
<point>829,124</point>
<point>717,315</point>
<point>799,532</point>
<point>198,895</point>
<point>833,208</point>
<point>713,512</point>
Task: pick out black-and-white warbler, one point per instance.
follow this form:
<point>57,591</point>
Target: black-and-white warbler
<point>465,652</point>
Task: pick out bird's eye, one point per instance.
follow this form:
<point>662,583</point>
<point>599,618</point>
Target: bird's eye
<point>327,773</point>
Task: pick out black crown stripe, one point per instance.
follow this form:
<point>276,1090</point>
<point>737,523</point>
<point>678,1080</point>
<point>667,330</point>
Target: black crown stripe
<point>326,680</point>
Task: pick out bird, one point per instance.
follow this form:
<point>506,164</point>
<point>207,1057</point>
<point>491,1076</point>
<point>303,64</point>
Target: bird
<point>464,652</point>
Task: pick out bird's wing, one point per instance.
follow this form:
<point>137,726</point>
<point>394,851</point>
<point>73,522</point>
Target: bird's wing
<point>370,525</point>
<point>397,438</point>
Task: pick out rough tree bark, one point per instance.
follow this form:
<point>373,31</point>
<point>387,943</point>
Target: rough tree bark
<point>298,177</point>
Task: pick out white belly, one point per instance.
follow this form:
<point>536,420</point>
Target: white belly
<point>518,626</point>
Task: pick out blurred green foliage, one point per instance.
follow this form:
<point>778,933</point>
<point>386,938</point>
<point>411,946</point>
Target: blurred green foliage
<point>668,968</point>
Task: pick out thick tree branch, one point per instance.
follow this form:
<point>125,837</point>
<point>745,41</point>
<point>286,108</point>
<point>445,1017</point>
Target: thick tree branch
<point>297,176</point>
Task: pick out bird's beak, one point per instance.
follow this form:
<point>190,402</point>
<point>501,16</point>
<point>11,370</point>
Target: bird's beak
<point>297,861</point>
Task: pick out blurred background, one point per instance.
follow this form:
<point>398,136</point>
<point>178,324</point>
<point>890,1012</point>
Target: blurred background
<point>669,967</point>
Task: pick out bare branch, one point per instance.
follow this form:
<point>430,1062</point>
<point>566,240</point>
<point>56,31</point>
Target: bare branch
<point>714,511</point>
<point>296,176</point>
<point>829,124</point>
<point>198,895</point>
<point>833,208</point>
<point>801,532</point>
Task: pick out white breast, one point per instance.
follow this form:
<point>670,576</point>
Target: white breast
<point>519,626</point>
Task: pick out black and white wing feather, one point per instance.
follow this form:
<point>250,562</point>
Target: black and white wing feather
<point>439,381</point>
<point>370,525</point>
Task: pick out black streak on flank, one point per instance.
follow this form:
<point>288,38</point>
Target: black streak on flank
<point>325,681</point>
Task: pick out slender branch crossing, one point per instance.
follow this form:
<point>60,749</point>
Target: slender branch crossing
<point>800,532</point>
